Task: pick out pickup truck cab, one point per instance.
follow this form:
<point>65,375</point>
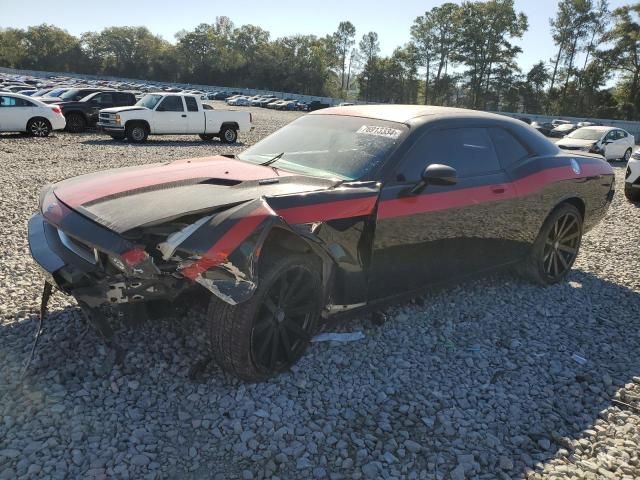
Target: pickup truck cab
<point>84,112</point>
<point>173,114</point>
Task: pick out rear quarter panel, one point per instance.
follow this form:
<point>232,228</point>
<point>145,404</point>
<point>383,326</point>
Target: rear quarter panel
<point>542,183</point>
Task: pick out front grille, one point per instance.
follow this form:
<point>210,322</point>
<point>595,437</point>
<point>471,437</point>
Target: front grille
<point>107,118</point>
<point>83,251</point>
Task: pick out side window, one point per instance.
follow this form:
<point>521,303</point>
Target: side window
<point>192,105</point>
<point>7,102</point>
<point>468,150</point>
<point>611,135</point>
<point>104,99</point>
<point>508,148</point>
<point>124,98</point>
<point>171,104</point>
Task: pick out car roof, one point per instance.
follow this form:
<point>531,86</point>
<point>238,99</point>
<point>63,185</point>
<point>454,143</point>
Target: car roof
<point>407,113</point>
<point>599,127</point>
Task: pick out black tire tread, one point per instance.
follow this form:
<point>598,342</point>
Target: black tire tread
<point>229,326</point>
<point>530,268</point>
<point>632,194</point>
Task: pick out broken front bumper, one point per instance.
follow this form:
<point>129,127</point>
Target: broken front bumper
<point>78,270</point>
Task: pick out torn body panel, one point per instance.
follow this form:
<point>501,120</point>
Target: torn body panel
<point>223,253</point>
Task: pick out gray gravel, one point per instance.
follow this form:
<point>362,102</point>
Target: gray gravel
<point>471,381</point>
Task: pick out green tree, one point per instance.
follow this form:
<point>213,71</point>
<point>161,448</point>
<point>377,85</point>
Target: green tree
<point>486,29</point>
<point>344,39</point>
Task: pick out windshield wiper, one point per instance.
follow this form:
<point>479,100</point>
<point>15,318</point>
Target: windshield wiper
<point>272,160</point>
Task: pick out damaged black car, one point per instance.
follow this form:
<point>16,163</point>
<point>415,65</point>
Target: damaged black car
<point>343,209</point>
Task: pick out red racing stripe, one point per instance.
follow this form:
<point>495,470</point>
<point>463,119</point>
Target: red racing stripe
<point>231,239</point>
<point>405,206</point>
<point>323,212</point>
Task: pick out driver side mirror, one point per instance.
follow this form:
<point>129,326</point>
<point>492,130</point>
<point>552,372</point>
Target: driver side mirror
<point>436,174</point>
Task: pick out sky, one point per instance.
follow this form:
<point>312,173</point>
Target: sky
<point>391,21</point>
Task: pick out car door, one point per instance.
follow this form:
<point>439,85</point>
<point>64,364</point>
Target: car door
<point>611,146</point>
<point>169,116</point>
<point>443,232</point>
<point>195,117</point>
<point>16,112</point>
<point>97,103</point>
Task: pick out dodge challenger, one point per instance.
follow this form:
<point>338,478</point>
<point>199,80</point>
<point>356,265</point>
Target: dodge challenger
<point>342,209</point>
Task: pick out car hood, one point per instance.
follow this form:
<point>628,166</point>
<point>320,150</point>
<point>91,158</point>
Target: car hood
<point>122,109</point>
<point>575,142</point>
<point>127,198</point>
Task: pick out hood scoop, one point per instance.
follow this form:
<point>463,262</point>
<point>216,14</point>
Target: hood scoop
<point>225,182</point>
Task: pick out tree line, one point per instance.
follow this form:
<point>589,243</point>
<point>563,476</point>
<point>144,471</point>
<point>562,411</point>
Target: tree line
<point>459,55</point>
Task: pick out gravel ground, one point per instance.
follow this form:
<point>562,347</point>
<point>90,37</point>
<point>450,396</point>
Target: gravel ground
<point>471,381</point>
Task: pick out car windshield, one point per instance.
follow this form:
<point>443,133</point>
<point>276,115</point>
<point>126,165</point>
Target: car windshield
<point>564,126</point>
<point>330,146</point>
<point>72,95</point>
<point>149,101</point>
<point>586,134</point>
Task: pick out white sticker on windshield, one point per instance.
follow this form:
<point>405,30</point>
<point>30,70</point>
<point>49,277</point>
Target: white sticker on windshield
<point>379,131</point>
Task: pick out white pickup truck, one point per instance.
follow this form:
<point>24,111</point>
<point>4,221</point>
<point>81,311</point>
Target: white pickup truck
<point>173,114</point>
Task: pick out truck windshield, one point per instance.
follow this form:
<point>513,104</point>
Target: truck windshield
<point>331,146</point>
<point>149,101</point>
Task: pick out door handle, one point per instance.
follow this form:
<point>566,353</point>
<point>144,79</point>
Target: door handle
<point>498,189</point>
<point>184,116</point>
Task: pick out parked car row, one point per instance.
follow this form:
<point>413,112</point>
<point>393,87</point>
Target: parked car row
<point>275,103</point>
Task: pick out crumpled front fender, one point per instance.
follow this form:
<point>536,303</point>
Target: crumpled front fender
<point>222,254</point>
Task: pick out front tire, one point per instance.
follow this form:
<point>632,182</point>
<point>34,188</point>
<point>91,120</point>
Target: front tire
<point>76,123</point>
<point>627,155</point>
<point>137,133</point>
<point>39,127</point>
<point>269,332</point>
<point>556,247</point>
<point>228,135</point>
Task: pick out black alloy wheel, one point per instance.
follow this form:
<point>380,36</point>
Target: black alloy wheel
<point>39,127</point>
<point>266,334</point>
<point>283,325</point>
<point>561,245</point>
<point>556,246</point>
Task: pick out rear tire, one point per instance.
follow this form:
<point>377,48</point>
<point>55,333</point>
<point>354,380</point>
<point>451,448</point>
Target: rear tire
<point>556,247</point>
<point>228,135</point>
<point>268,333</point>
<point>76,123</point>
<point>137,132</point>
<point>206,137</point>
<point>632,194</point>
<point>39,127</point>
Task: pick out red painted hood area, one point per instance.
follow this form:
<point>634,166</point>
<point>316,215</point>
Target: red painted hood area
<point>94,187</point>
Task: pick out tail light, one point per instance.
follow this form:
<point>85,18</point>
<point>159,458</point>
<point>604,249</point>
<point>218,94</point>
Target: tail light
<point>56,109</point>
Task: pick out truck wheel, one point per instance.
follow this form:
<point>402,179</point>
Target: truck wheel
<point>207,137</point>
<point>228,135</point>
<point>556,248</point>
<point>137,132</point>
<point>268,333</point>
<point>76,123</point>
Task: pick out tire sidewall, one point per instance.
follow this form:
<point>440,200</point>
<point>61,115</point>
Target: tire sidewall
<point>34,120</point>
<point>537,255</point>
<point>224,134</point>
<point>234,352</point>
<point>131,133</point>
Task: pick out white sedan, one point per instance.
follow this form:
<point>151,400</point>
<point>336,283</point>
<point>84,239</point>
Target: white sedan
<point>240,102</point>
<point>610,142</point>
<point>632,178</point>
<point>19,113</point>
